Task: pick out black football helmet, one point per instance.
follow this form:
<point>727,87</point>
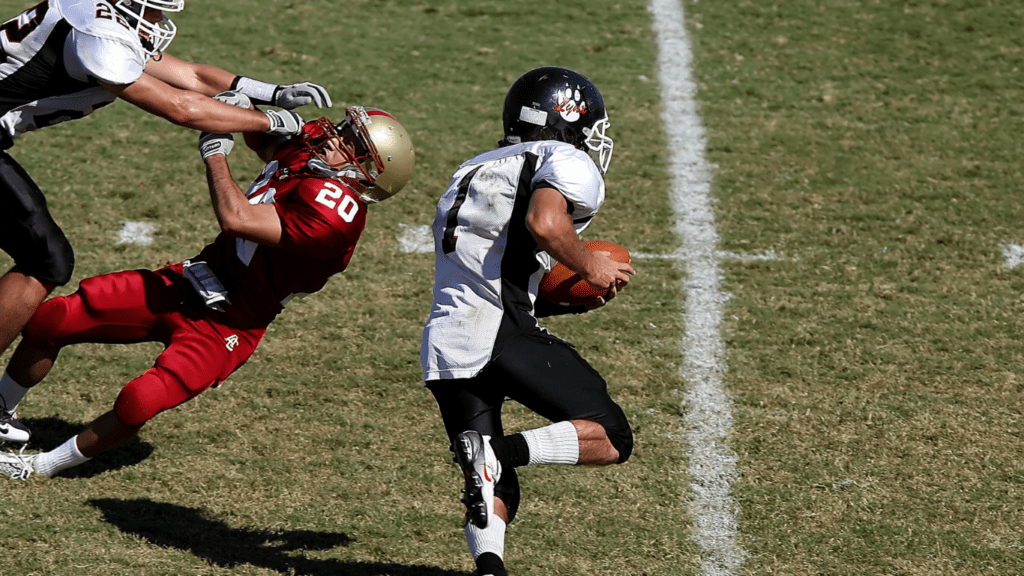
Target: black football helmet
<point>553,103</point>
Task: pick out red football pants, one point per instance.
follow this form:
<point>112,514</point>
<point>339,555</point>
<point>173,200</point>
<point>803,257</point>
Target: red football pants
<point>202,349</point>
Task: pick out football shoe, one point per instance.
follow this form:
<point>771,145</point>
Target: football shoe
<point>17,466</point>
<point>482,470</point>
<point>11,429</point>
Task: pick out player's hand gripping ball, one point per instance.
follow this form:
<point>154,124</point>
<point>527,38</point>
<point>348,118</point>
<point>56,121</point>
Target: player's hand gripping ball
<point>563,286</point>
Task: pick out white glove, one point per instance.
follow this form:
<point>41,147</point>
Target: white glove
<point>294,95</point>
<point>234,98</point>
<point>284,122</point>
<point>211,144</point>
<point>287,96</point>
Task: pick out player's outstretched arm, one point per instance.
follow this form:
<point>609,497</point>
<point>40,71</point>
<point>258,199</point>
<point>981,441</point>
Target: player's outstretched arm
<point>202,78</point>
<point>210,80</point>
<point>201,112</point>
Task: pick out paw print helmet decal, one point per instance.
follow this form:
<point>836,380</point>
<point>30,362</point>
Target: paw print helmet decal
<point>554,103</point>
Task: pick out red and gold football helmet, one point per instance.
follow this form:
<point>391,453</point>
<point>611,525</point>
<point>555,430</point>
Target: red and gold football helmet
<point>379,155</point>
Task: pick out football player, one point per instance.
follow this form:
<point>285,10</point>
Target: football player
<point>297,225</point>
<point>63,59</point>
<point>505,215</point>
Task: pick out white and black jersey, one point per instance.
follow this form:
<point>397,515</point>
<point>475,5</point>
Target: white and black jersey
<point>52,57</point>
<point>488,266</point>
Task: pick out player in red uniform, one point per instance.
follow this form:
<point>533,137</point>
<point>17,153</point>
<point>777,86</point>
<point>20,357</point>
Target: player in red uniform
<point>296,227</point>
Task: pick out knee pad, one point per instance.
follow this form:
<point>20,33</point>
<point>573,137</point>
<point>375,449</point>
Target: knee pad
<point>50,258</point>
<point>143,398</point>
<point>62,262</point>
<point>42,329</point>
<point>39,247</point>
<point>621,438</point>
<point>507,489</point>
<point>623,442</point>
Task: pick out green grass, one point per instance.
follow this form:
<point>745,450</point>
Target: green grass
<point>875,367</point>
<point>324,454</point>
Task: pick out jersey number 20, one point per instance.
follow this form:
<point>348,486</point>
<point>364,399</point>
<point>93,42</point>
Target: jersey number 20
<point>328,196</point>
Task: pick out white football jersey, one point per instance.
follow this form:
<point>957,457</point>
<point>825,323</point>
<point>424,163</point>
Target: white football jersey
<point>488,266</point>
<point>52,57</point>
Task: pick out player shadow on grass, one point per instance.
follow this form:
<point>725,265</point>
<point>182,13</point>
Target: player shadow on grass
<point>49,433</point>
<point>198,532</point>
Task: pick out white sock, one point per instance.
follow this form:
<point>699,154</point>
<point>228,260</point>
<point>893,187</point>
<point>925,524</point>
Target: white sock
<point>555,444</point>
<point>60,458</point>
<point>490,539</point>
<point>11,392</point>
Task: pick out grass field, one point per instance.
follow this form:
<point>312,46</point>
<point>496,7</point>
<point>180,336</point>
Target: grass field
<point>866,182</point>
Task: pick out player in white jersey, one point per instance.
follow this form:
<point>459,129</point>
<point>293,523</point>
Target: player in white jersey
<point>61,60</point>
<point>505,216</point>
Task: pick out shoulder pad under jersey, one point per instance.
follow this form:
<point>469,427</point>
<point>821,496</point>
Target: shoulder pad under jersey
<point>82,16</point>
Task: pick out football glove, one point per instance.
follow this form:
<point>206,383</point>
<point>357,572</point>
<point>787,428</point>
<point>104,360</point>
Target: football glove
<point>284,122</point>
<point>295,95</point>
<point>287,96</point>
<point>234,98</point>
<point>211,144</point>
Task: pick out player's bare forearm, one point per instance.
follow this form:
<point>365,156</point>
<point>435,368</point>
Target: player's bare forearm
<point>189,109</point>
<point>236,217</point>
<point>551,226</point>
<point>224,193</point>
<point>203,78</point>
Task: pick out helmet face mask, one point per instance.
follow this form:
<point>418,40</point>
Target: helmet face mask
<point>599,145</point>
<point>554,103</point>
<point>377,156</point>
<point>155,36</point>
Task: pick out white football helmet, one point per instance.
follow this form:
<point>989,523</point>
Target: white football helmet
<point>155,36</point>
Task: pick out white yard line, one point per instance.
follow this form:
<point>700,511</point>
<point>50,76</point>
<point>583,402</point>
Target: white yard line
<point>1013,254</point>
<point>140,233</point>
<point>707,407</point>
<point>414,239</point>
<point>763,256</point>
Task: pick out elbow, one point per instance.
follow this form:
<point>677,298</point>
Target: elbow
<point>185,111</point>
<point>540,228</point>
<point>231,224</point>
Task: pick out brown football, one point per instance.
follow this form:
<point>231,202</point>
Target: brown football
<point>564,286</point>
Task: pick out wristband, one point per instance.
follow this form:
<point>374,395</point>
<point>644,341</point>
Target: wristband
<point>262,92</point>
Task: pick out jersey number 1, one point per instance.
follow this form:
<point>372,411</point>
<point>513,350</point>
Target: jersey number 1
<point>449,239</point>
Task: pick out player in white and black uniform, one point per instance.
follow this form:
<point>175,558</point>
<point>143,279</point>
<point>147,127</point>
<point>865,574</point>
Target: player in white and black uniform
<point>506,215</point>
<point>61,60</point>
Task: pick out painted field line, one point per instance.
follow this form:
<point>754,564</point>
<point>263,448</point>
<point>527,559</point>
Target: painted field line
<point>413,239</point>
<point>707,408</point>
<point>763,256</point>
<point>1013,254</point>
<point>140,233</point>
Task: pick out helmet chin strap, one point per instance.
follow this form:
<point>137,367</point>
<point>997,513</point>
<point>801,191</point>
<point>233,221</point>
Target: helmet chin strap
<point>347,174</point>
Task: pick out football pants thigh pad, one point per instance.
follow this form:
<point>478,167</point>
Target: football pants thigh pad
<point>548,376</point>
<point>27,230</point>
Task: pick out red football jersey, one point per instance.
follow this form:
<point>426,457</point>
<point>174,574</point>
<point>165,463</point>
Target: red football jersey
<point>321,221</point>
